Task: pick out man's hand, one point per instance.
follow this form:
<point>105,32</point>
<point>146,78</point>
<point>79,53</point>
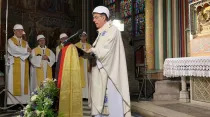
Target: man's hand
<point>44,57</point>
<point>89,51</point>
<point>29,49</point>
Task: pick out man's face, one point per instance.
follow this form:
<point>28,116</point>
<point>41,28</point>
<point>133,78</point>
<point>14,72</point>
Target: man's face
<point>18,33</point>
<point>41,42</point>
<point>99,20</point>
<point>63,39</point>
<point>83,37</point>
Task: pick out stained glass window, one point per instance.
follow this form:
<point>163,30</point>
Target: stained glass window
<point>110,4</point>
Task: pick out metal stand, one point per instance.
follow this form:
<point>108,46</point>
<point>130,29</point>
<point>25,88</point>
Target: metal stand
<point>142,77</point>
<point>5,90</point>
<point>143,83</point>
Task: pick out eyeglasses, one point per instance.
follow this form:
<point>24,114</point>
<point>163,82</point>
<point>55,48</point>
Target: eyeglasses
<point>96,17</point>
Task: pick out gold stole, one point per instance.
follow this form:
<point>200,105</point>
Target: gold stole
<point>40,70</point>
<point>70,103</point>
<point>81,60</point>
<point>17,71</point>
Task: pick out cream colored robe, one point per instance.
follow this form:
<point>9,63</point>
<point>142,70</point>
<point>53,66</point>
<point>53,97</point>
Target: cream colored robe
<point>16,51</point>
<point>110,54</point>
<point>36,61</point>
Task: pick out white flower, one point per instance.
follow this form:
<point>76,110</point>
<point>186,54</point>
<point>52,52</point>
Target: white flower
<point>43,113</point>
<point>29,114</point>
<point>48,101</point>
<point>26,112</point>
<point>27,107</point>
<point>32,93</point>
<point>54,80</point>
<point>18,116</point>
<point>38,112</point>
<point>33,98</point>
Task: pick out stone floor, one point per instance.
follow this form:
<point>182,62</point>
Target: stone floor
<point>86,112</point>
<point>169,109</point>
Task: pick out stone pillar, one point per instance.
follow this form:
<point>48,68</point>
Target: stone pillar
<point>160,33</point>
<point>175,36</point>
<point>149,20</point>
<point>169,40</point>
<point>184,94</point>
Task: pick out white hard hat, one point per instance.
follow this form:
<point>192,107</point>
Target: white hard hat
<point>101,9</point>
<point>40,37</point>
<point>84,33</point>
<point>17,26</point>
<point>62,35</point>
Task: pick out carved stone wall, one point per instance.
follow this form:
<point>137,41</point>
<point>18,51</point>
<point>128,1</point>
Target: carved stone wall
<point>200,28</point>
<point>200,46</point>
<point>200,18</point>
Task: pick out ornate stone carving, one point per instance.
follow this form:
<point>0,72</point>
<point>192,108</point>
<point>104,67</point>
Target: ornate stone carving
<point>203,20</point>
<point>200,17</point>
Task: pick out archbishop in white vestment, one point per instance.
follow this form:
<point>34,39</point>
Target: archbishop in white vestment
<point>18,76</point>
<point>42,60</point>
<point>109,83</point>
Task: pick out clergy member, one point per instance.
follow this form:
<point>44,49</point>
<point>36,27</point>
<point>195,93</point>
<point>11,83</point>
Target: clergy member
<point>109,83</point>
<point>69,82</point>
<point>42,60</point>
<point>18,76</point>
<point>84,64</point>
<point>63,37</point>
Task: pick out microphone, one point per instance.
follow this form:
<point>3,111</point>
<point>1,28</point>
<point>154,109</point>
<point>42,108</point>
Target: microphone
<point>70,39</point>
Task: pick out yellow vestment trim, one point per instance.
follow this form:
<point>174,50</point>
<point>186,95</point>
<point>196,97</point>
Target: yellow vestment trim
<point>70,104</point>
<point>81,60</point>
<point>40,70</point>
<point>17,71</point>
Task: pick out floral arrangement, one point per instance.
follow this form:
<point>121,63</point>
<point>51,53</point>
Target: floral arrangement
<point>42,101</point>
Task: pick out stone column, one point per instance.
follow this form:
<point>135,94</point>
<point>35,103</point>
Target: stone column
<point>169,40</point>
<point>149,20</point>
<point>160,32</point>
<point>175,36</point>
<point>184,94</point>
